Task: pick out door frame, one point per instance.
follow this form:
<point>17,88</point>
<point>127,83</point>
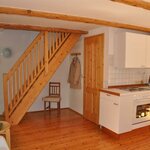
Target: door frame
<point>102,65</point>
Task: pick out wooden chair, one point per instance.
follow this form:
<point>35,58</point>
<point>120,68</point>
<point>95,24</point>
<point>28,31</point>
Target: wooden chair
<point>54,95</point>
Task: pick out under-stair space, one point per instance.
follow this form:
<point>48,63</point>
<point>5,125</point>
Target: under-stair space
<point>26,79</point>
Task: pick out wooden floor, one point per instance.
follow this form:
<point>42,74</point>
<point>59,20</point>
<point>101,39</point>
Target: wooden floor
<point>69,131</point>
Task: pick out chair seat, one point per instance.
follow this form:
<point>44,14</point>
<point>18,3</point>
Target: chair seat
<point>51,99</point>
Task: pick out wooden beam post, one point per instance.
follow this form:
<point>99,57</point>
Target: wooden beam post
<point>38,28</point>
<point>48,15</point>
<point>46,51</point>
<point>5,91</point>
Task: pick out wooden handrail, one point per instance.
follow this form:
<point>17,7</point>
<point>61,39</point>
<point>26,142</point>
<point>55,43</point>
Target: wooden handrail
<point>29,66</point>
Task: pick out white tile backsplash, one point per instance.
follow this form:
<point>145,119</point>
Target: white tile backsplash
<point>123,76</point>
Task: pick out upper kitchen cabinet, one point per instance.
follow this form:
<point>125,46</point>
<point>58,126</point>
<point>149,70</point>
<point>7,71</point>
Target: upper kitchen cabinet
<point>131,50</point>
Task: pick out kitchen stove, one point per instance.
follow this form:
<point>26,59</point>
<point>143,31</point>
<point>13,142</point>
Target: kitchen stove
<point>141,104</point>
<point>141,109</point>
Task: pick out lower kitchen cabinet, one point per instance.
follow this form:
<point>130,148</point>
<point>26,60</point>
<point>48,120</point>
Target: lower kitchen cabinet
<point>115,113</point>
<point>109,111</point>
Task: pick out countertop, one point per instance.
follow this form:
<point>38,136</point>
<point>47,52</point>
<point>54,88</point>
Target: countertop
<point>114,91</point>
<point>119,91</point>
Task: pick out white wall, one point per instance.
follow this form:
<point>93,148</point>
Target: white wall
<point>61,75</point>
<point>18,41</point>
<point>76,95</point>
<point>73,98</point>
<point>118,75</point>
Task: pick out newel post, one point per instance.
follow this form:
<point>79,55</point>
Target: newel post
<point>46,51</point>
<point>5,92</point>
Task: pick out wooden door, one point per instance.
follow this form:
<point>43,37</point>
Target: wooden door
<point>93,73</point>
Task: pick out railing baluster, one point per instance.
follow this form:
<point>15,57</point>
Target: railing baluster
<point>61,37</point>
<point>35,58</point>
<point>56,39</point>
<point>52,47</point>
<point>17,83</point>
<point>31,67</point>
<point>38,56</point>
<point>5,89</point>
<point>41,53</point>
<point>20,76</point>
<point>24,71</point>
<point>46,51</point>
<point>10,92</point>
<point>14,88</point>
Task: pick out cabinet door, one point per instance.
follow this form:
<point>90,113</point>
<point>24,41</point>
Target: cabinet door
<point>135,50</point>
<point>148,51</point>
<point>109,112</point>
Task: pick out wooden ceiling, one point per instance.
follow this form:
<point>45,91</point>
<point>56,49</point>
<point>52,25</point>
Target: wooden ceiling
<point>47,15</point>
<point>38,28</point>
<point>135,3</point>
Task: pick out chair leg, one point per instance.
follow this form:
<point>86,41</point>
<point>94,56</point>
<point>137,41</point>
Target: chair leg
<point>49,105</point>
<point>58,105</point>
<point>44,106</point>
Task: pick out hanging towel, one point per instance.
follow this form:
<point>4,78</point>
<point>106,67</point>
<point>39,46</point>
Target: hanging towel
<point>74,77</point>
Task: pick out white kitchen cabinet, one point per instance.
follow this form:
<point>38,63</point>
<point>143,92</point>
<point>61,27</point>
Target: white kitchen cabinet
<point>131,50</point>
<point>115,112</point>
<point>109,112</point>
<point>135,50</point>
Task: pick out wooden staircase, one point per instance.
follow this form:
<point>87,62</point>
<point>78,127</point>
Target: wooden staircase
<point>24,82</point>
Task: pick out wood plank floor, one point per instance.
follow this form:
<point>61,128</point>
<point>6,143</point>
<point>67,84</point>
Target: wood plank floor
<point>69,131</point>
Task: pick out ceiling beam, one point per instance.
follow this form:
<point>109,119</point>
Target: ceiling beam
<point>38,28</point>
<point>33,13</point>
<point>136,3</point>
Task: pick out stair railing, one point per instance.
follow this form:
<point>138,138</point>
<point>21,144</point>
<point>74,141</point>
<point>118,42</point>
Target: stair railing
<point>29,66</point>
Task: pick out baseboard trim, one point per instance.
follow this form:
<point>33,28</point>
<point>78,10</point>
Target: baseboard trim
<point>52,109</point>
<point>75,112</point>
<point>134,132</point>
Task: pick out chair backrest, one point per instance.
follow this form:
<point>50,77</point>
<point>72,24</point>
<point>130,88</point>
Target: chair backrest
<point>54,89</point>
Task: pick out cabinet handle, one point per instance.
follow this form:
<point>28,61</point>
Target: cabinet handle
<point>108,95</point>
<point>115,103</point>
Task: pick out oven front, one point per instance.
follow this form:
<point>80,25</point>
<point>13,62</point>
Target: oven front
<point>141,110</point>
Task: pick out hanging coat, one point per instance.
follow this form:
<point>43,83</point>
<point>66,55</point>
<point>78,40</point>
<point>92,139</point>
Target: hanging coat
<point>75,74</point>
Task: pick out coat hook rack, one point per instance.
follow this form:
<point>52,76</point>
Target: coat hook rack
<point>75,54</point>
